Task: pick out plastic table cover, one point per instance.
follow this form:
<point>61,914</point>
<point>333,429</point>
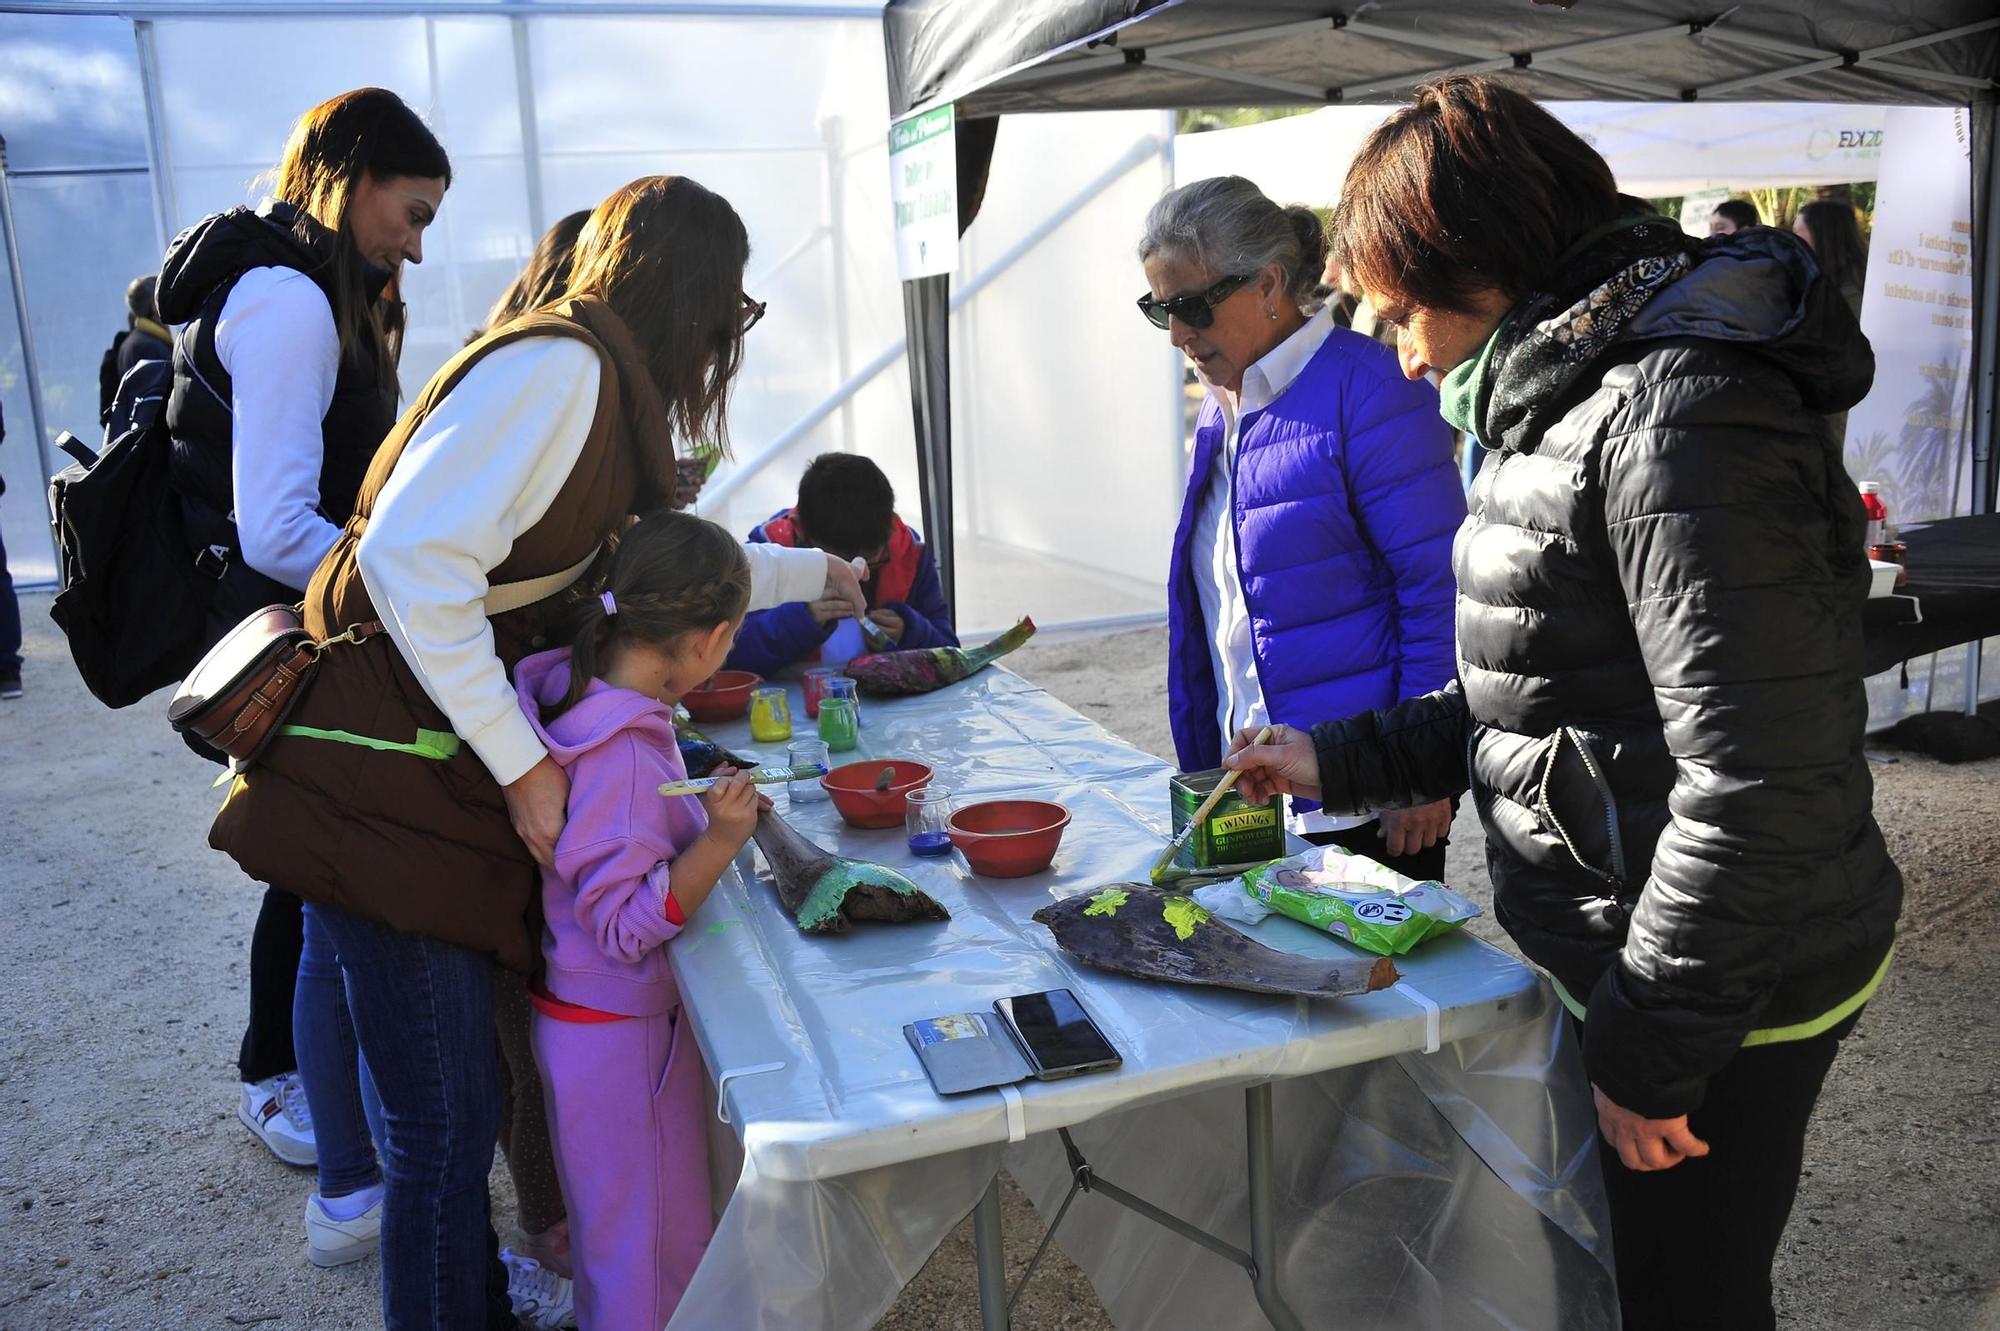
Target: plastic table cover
<point>1453,1190</point>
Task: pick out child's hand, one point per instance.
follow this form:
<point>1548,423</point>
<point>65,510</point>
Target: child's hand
<point>829,610</point>
<point>732,804</point>
<point>889,622</point>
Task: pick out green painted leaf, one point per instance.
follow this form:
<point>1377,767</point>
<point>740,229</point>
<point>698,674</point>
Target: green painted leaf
<point>1184,913</point>
<point>1106,902</point>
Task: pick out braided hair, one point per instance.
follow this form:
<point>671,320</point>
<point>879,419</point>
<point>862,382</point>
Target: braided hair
<point>672,573</point>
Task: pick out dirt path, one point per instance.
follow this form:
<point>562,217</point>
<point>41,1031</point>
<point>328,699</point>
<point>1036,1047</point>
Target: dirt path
<point>132,1199</point>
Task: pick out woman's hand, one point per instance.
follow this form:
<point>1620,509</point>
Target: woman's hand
<point>1407,831</point>
<point>690,474</point>
<point>843,583</point>
<point>1646,1144</point>
<point>538,806</point>
<point>1287,765</point>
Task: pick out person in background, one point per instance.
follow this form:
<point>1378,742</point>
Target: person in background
<point>143,338</point>
<point>626,1082</point>
<point>1733,215</point>
<point>543,282</point>
<point>1833,230</point>
<point>284,385</point>
<point>413,814</point>
<point>1658,707</point>
<point>1311,569</point>
<point>847,508</point>
<point>539,1259</point>
<point>10,613</point>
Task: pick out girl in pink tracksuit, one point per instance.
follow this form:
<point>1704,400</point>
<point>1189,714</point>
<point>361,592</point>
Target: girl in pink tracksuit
<point>620,1068</point>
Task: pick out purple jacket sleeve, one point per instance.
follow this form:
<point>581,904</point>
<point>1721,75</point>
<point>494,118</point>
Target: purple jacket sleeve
<point>620,874</point>
<point>928,617</point>
<point>772,639</point>
<point>1409,505</point>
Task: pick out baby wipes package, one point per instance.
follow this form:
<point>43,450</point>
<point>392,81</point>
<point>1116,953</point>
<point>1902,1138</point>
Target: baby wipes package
<point>1352,897</point>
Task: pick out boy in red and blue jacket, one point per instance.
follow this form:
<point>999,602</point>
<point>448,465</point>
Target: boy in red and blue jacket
<point>847,508</point>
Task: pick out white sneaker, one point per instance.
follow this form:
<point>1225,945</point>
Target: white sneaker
<point>275,1112</point>
<point>331,1242</point>
<point>541,1298</point>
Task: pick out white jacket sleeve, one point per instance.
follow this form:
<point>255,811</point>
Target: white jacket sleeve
<point>276,338</point>
<point>780,575</point>
<point>484,468</point>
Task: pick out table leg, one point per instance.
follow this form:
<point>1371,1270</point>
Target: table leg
<point>990,1256</point>
<point>1263,1210</point>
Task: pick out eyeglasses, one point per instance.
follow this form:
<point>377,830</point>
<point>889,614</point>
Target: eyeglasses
<point>751,312</point>
<point>1196,311</point>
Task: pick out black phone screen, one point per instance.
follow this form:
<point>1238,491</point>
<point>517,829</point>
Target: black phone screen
<point>1056,1032</point>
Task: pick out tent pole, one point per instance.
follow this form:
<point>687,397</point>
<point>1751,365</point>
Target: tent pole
<point>36,413</point>
<point>159,158</point>
<point>1985,344</point>
<point>927,319</point>
<point>531,145</point>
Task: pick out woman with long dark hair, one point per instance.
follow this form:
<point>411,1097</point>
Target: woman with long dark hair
<point>1658,708</point>
<point>413,816</point>
<point>284,385</point>
<point>1833,231</point>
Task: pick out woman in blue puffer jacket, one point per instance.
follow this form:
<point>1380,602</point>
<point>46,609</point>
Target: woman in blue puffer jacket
<point>1312,561</point>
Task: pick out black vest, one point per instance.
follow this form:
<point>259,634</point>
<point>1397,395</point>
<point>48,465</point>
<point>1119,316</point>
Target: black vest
<point>213,255</point>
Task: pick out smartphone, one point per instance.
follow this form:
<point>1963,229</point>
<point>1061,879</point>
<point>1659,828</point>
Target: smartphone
<point>1056,1034</point>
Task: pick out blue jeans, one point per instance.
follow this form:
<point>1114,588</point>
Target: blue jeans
<point>346,1112</point>
<point>10,620</point>
<point>423,1011</point>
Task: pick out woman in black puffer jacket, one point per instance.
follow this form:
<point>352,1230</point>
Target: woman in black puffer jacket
<point>1658,708</point>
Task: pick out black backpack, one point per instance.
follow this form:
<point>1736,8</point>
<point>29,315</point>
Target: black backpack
<point>137,583</point>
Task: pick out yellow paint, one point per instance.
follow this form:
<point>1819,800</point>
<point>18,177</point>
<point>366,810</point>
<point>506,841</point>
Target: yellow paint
<point>1106,902</point>
<point>1184,913</point>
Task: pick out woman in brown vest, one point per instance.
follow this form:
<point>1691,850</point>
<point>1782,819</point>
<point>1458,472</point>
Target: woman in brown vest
<point>410,798</point>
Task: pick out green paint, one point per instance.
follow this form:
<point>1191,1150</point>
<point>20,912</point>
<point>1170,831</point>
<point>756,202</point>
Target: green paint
<point>1184,913</point>
<point>1106,902</point>
<point>840,877</point>
<point>438,745</point>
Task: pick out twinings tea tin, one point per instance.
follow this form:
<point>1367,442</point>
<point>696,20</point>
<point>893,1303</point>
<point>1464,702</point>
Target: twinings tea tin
<point>1235,831</point>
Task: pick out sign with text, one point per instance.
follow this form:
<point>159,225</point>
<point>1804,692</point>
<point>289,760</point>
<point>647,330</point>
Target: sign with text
<point>923,187</point>
<point>1912,431</point>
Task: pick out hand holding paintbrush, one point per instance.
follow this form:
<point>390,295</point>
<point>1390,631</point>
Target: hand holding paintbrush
<point>1207,807</point>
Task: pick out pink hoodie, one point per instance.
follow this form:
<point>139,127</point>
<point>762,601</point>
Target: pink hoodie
<point>604,904</point>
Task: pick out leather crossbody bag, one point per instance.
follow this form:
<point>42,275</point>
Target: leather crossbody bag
<point>237,696</point>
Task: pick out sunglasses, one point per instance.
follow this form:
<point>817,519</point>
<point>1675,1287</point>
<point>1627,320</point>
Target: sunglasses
<point>1197,311</point>
<point>751,311</point>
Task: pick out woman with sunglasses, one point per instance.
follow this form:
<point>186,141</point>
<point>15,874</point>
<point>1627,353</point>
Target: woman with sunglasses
<point>1312,562</point>
<point>411,799</point>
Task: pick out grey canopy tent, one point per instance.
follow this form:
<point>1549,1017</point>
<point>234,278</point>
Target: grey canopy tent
<point>995,57</point>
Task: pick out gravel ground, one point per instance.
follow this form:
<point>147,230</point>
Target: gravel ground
<point>132,1199</point>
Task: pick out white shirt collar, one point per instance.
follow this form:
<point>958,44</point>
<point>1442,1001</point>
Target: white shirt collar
<point>1265,381</point>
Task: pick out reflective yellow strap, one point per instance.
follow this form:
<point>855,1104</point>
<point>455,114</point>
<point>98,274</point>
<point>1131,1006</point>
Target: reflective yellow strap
<point>1804,1030</point>
<point>440,745</point>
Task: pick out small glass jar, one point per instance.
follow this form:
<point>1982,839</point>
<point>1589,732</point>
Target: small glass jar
<point>838,724</point>
<point>770,713</point>
<point>843,686</point>
<point>815,686</point>
<point>807,753</point>
<point>924,816</point>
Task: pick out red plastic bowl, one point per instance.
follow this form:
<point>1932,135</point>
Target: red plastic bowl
<point>1009,838</point>
<point>723,697</point>
<point>854,793</point>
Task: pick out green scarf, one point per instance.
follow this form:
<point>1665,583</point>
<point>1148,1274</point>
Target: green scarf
<point>1464,389</point>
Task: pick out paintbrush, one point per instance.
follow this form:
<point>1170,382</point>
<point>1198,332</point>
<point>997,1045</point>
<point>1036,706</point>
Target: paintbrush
<point>1222,788</point>
<point>759,776</point>
<point>877,636</point>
